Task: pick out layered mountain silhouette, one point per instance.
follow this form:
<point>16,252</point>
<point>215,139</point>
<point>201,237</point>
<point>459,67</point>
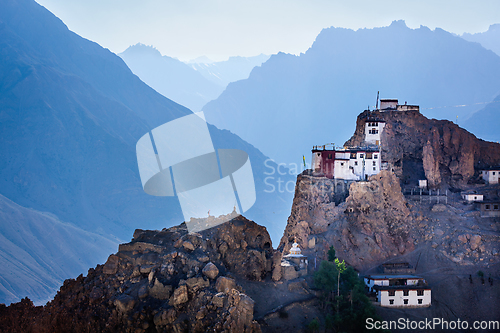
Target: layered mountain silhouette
<point>71,113</point>
<point>171,77</point>
<point>489,39</point>
<point>191,84</point>
<point>291,103</point>
<point>486,121</point>
<point>224,72</point>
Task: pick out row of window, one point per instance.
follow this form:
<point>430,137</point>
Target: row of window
<point>488,207</point>
<point>405,301</point>
<point>420,292</point>
<point>369,156</point>
<point>373,131</point>
<point>372,124</point>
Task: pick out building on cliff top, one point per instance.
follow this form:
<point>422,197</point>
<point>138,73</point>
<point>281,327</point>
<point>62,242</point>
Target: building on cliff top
<point>399,290</point>
<point>387,105</point>
<point>294,264</point>
<point>346,163</point>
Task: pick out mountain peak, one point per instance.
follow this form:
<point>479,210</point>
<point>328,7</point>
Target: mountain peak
<point>398,24</point>
<point>142,49</point>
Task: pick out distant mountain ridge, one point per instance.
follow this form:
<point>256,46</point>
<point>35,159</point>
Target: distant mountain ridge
<point>489,39</point>
<point>231,70</point>
<point>192,84</point>
<point>291,103</point>
<point>171,77</point>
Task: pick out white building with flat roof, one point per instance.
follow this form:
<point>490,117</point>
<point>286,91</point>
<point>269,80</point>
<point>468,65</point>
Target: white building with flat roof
<point>373,131</point>
<point>490,176</point>
<point>399,290</point>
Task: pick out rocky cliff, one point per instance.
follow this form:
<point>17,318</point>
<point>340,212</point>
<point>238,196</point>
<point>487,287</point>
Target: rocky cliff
<point>162,281</point>
<point>438,150</point>
<point>373,224</point>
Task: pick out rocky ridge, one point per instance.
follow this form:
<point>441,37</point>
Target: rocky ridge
<point>439,150</point>
<point>162,281</point>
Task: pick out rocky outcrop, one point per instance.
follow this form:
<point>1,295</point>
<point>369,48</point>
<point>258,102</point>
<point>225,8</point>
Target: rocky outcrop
<point>157,283</point>
<point>438,150</point>
<point>373,224</point>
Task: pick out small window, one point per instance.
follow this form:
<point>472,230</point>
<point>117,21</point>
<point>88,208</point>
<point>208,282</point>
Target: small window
<point>419,301</point>
<point>493,173</point>
<point>392,293</point>
<point>342,164</point>
<point>405,301</point>
<point>475,198</point>
<point>406,293</point>
<point>420,293</point>
<point>353,156</point>
<point>360,155</point>
<point>495,207</point>
<point>374,163</point>
<point>318,154</point>
<point>487,207</point>
<point>329,156</point>
<point>375,156</point>
<point>391,301</point>
<point>355,162</point>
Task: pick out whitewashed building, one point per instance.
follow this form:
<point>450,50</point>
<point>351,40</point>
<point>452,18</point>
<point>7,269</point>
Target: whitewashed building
<point>373,131</point>
<point>472,196</point>
<point>393,105</point>
<point>346,163</point>
<point>399,290</point>
<point>490,176</point>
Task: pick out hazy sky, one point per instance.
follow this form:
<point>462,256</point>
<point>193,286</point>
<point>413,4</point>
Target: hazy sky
<point>220,28</point>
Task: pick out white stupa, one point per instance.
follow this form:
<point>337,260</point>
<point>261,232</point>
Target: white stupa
<point>295,251</point>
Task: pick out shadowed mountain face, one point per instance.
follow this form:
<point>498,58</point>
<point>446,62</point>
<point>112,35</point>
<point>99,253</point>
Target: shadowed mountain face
<point>71,113</point>
<point>300,101</point>
<point>38,252</point>
<point>485,121</point>
<point>171,77</point>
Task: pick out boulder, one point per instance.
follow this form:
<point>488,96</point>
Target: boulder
<point>111,265</point>
<point>225,284</point>
<point>160,291</point>
<point>124,303</point>
<point>188,246</point>
<point>180,295</point>
<point>210,270</point>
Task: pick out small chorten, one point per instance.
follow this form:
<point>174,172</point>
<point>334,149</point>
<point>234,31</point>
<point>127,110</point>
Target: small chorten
<point>294,264</point>
<point>295,250</point>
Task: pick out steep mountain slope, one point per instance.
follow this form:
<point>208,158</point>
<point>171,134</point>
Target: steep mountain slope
<point>171,77</point>
<point>231,70</point>
<point>71,113</point>
<point>489,39</point>
<point>38,252</point>
<point>300,101</point>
